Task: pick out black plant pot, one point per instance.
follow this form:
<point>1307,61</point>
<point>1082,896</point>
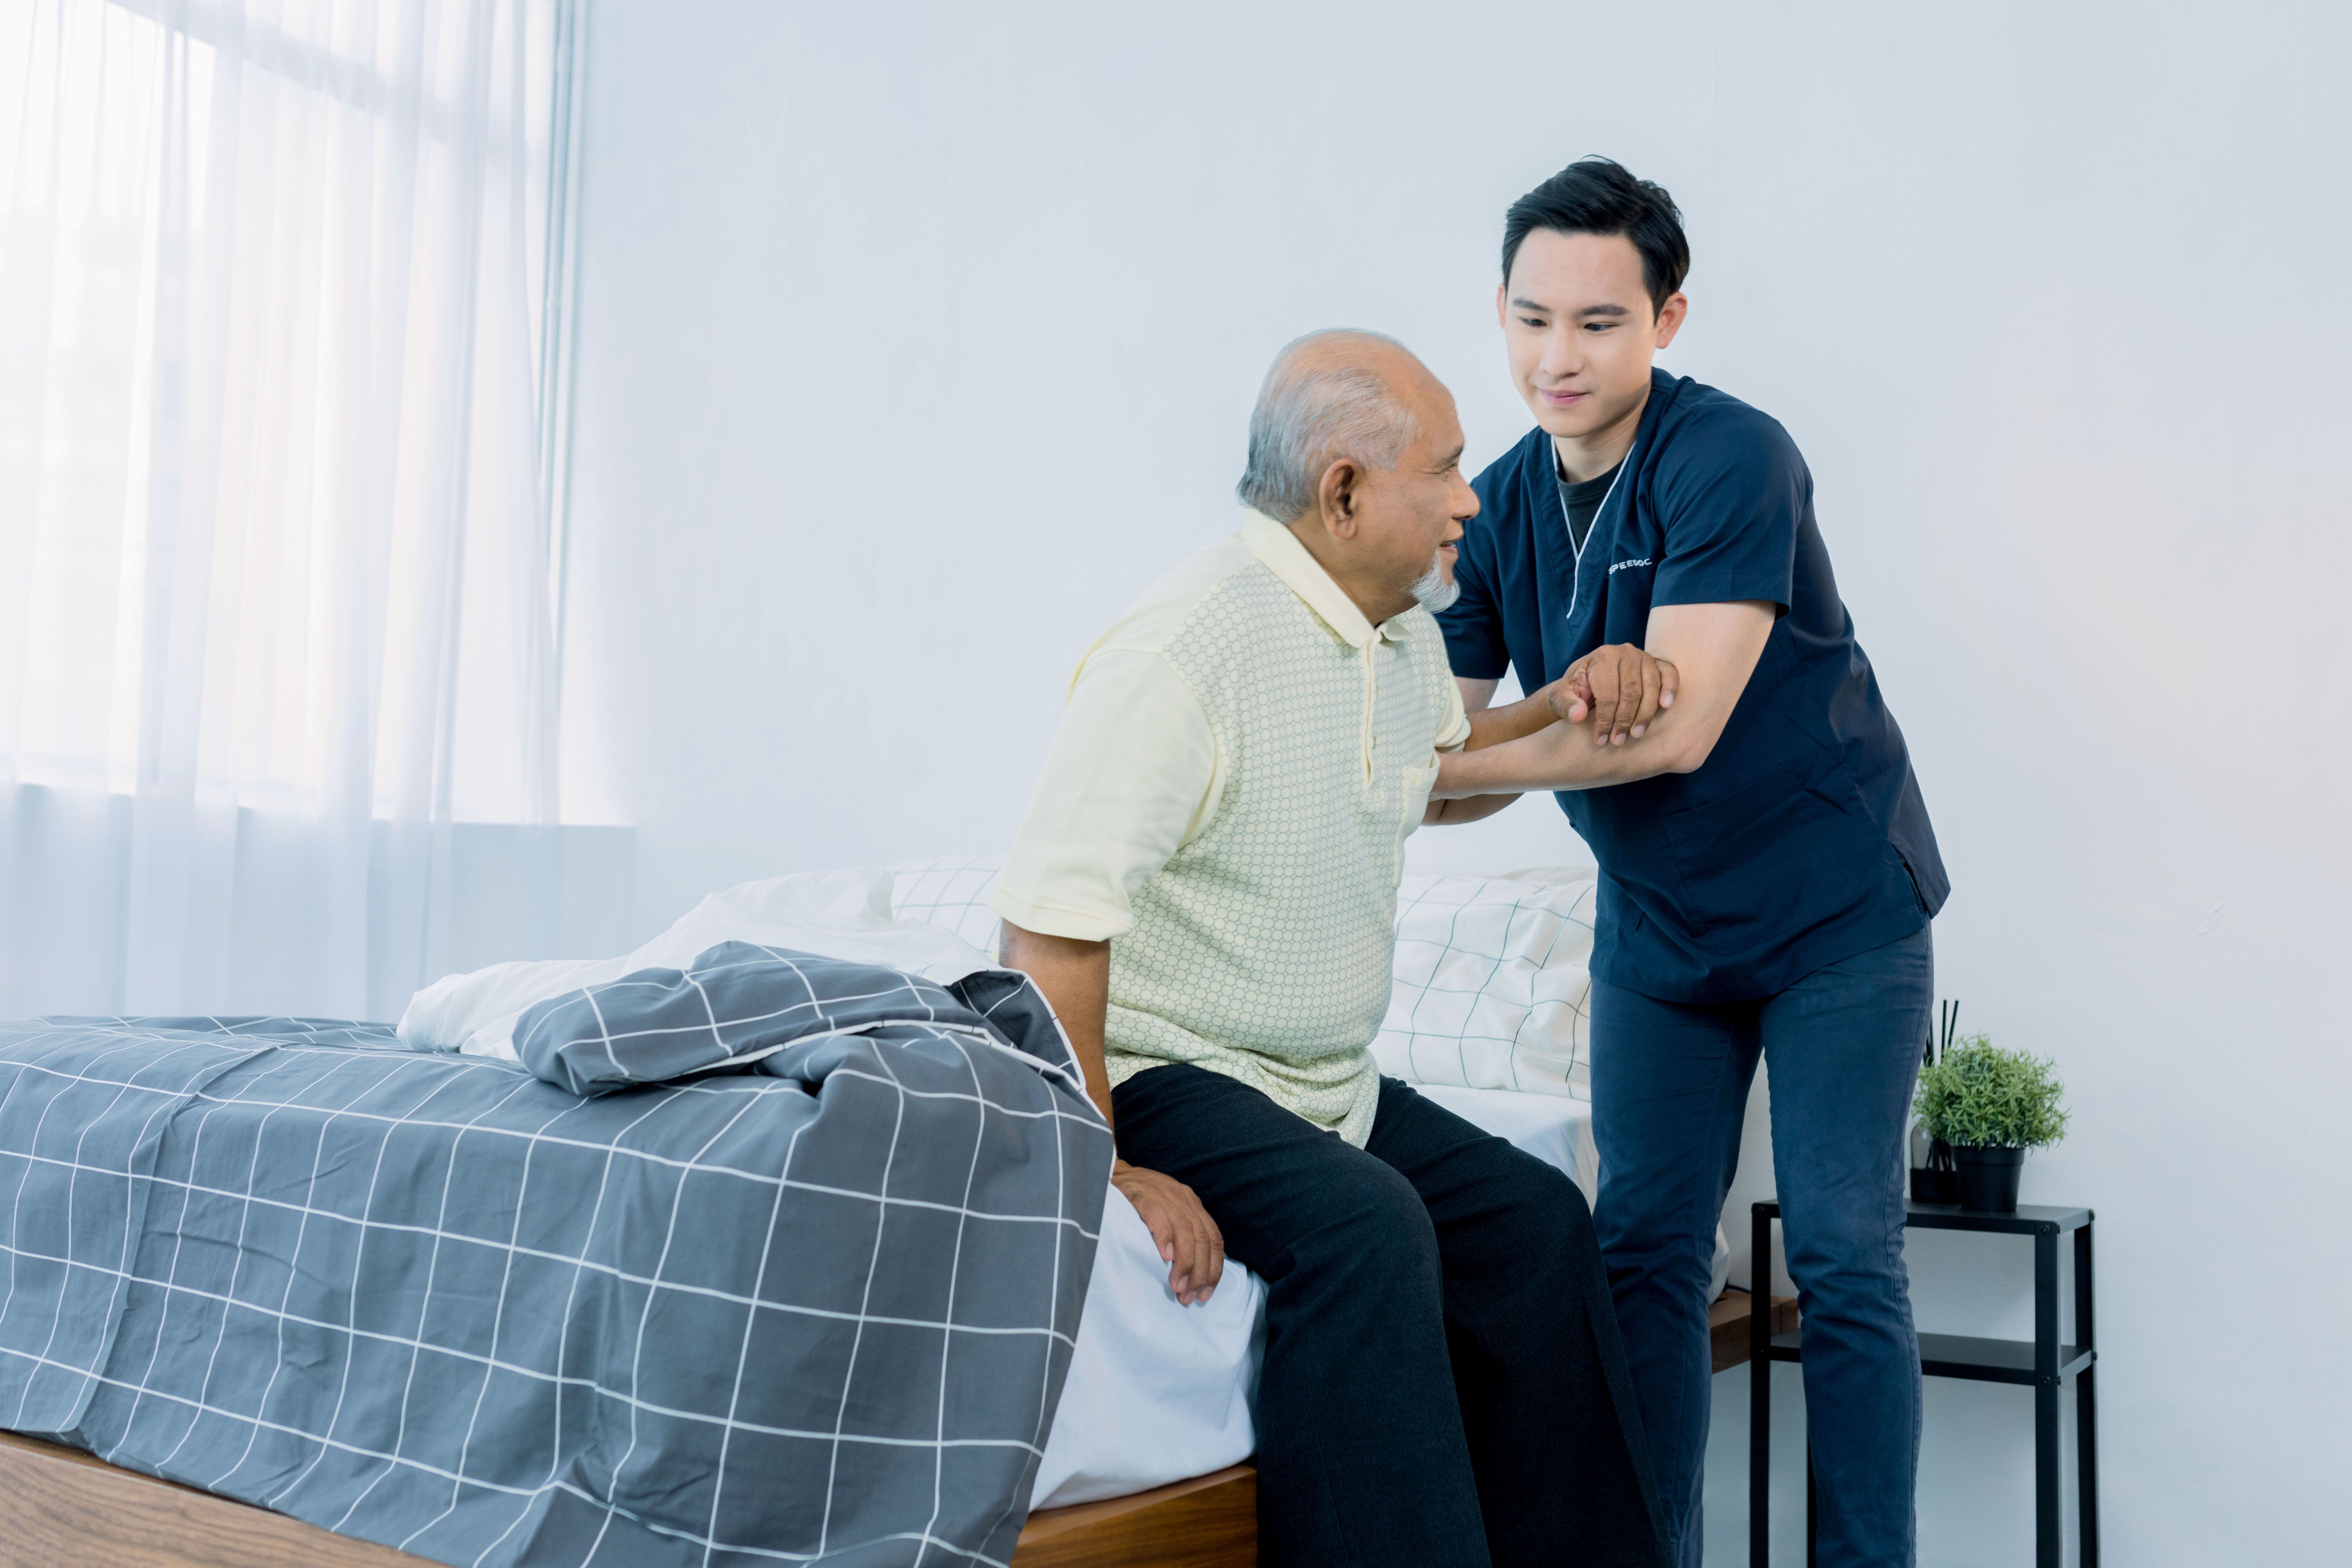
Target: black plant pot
<point>1989,1177</point>
<point>1929,1185</point>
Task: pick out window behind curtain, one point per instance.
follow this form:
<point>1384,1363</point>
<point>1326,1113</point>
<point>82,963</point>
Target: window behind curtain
<point>278,395</point>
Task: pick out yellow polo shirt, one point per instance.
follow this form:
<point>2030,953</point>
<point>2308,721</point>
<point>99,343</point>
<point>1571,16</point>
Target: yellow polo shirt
<point>1240,760</point>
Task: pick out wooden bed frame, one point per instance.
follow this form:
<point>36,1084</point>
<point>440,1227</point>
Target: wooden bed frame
<point>60,1508</point>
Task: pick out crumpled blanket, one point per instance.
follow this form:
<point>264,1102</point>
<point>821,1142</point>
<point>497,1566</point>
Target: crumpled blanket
<point>820,1311</point>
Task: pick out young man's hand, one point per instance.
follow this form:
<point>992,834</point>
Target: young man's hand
<point>1620,688</point>
<point>1190,1242</point>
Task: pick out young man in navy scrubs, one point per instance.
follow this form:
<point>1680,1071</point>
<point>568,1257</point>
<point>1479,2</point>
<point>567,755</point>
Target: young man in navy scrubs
<point>1767,870</point>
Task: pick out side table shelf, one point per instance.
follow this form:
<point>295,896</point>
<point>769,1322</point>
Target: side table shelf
<point>2043,1364</point>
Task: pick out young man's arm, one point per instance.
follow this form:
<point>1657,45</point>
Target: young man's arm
<point>1620,689</point>
<point>1076,978</point>
<point>1713,649</point>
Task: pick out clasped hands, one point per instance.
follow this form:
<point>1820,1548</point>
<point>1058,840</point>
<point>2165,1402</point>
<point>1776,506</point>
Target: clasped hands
<point>1620,688</point>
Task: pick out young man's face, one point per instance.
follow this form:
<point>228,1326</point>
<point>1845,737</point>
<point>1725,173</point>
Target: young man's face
<point>1578,327</point>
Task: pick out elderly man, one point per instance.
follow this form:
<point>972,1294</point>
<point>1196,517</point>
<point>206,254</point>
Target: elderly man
<point>1205,888</point>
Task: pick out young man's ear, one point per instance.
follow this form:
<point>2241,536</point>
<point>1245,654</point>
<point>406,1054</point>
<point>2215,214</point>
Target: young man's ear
<point>1670,318</point>
<point>1335,497</point>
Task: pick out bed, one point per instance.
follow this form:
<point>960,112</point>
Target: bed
<point>1142,1417</point>
<point>1146,1467</point>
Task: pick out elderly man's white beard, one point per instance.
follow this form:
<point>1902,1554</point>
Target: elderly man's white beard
<point>1433,591</point>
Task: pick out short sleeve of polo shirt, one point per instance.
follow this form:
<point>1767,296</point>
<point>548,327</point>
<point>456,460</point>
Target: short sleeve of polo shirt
<point>1132,774</point>
<point>1454,731</point>
<point>1731,495</point>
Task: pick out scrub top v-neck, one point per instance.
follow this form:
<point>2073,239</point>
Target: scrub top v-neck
<point>1804,839</point>
<point>1581,501</point>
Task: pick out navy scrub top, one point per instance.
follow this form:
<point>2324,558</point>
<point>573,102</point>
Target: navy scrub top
<point>1803,839</point>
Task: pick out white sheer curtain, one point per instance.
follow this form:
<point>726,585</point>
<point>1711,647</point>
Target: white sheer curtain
<point>273,549</point>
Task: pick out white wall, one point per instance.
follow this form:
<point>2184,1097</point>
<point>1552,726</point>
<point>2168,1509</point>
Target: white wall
<point>916,339</point>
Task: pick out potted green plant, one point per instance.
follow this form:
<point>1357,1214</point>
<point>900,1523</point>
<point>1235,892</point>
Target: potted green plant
<point>1991,1106</point>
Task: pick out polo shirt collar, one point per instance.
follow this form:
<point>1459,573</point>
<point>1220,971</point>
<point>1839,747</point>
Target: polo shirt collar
<point>1279,550</point>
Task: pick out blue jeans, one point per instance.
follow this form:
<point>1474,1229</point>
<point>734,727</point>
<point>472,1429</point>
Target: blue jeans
<point>1669,1090</point>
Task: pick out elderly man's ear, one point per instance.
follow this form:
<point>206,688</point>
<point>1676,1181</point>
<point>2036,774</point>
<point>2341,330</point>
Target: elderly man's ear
<point>1337,498</point>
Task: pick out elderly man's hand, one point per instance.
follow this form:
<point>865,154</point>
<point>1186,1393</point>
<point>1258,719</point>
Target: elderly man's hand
<point>1620,688</point>
<point>1190,1242</point>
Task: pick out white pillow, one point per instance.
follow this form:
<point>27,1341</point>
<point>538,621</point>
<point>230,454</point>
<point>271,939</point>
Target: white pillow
<point>841,914</point>
<point>1492,987</point>
<point>1491,984</point>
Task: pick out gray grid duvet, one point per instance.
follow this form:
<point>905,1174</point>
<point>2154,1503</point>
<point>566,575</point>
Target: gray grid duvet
<point>815,1305</point>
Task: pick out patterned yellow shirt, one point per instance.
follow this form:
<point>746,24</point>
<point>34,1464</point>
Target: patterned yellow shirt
<point>1240,760</point>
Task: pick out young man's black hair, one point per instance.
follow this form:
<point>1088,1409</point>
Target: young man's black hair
<point>1600,195</point>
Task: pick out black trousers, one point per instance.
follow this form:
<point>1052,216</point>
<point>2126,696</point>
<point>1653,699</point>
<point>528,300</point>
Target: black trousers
<point>1442,1382</point>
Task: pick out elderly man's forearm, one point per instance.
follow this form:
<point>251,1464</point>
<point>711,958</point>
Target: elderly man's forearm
<point>1491,727</point>
<point>1512,721</point>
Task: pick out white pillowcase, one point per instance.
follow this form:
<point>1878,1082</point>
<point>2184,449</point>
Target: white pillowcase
<point>953,893</point>
<point>840,914</point>
<point>1491,984</point>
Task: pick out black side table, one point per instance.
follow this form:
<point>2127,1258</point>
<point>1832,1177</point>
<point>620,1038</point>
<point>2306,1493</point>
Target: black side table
<point>2042,1363</point>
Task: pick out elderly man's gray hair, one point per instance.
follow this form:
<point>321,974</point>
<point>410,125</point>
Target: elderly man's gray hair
<point>1313,411</point>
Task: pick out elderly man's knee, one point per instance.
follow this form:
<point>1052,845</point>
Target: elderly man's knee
<point>1549,1188</point>
<point>1383,1221</point>
<point>1542,1213</point>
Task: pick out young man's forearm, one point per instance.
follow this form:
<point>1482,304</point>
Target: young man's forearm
<point>1562,756</point>
<point>1713,649</point>
<point>1620,669</point>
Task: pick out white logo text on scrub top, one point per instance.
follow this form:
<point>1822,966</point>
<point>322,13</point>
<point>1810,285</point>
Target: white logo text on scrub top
<point>1644,561</point>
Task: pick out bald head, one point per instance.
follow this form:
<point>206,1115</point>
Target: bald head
<point>1332,396</point>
